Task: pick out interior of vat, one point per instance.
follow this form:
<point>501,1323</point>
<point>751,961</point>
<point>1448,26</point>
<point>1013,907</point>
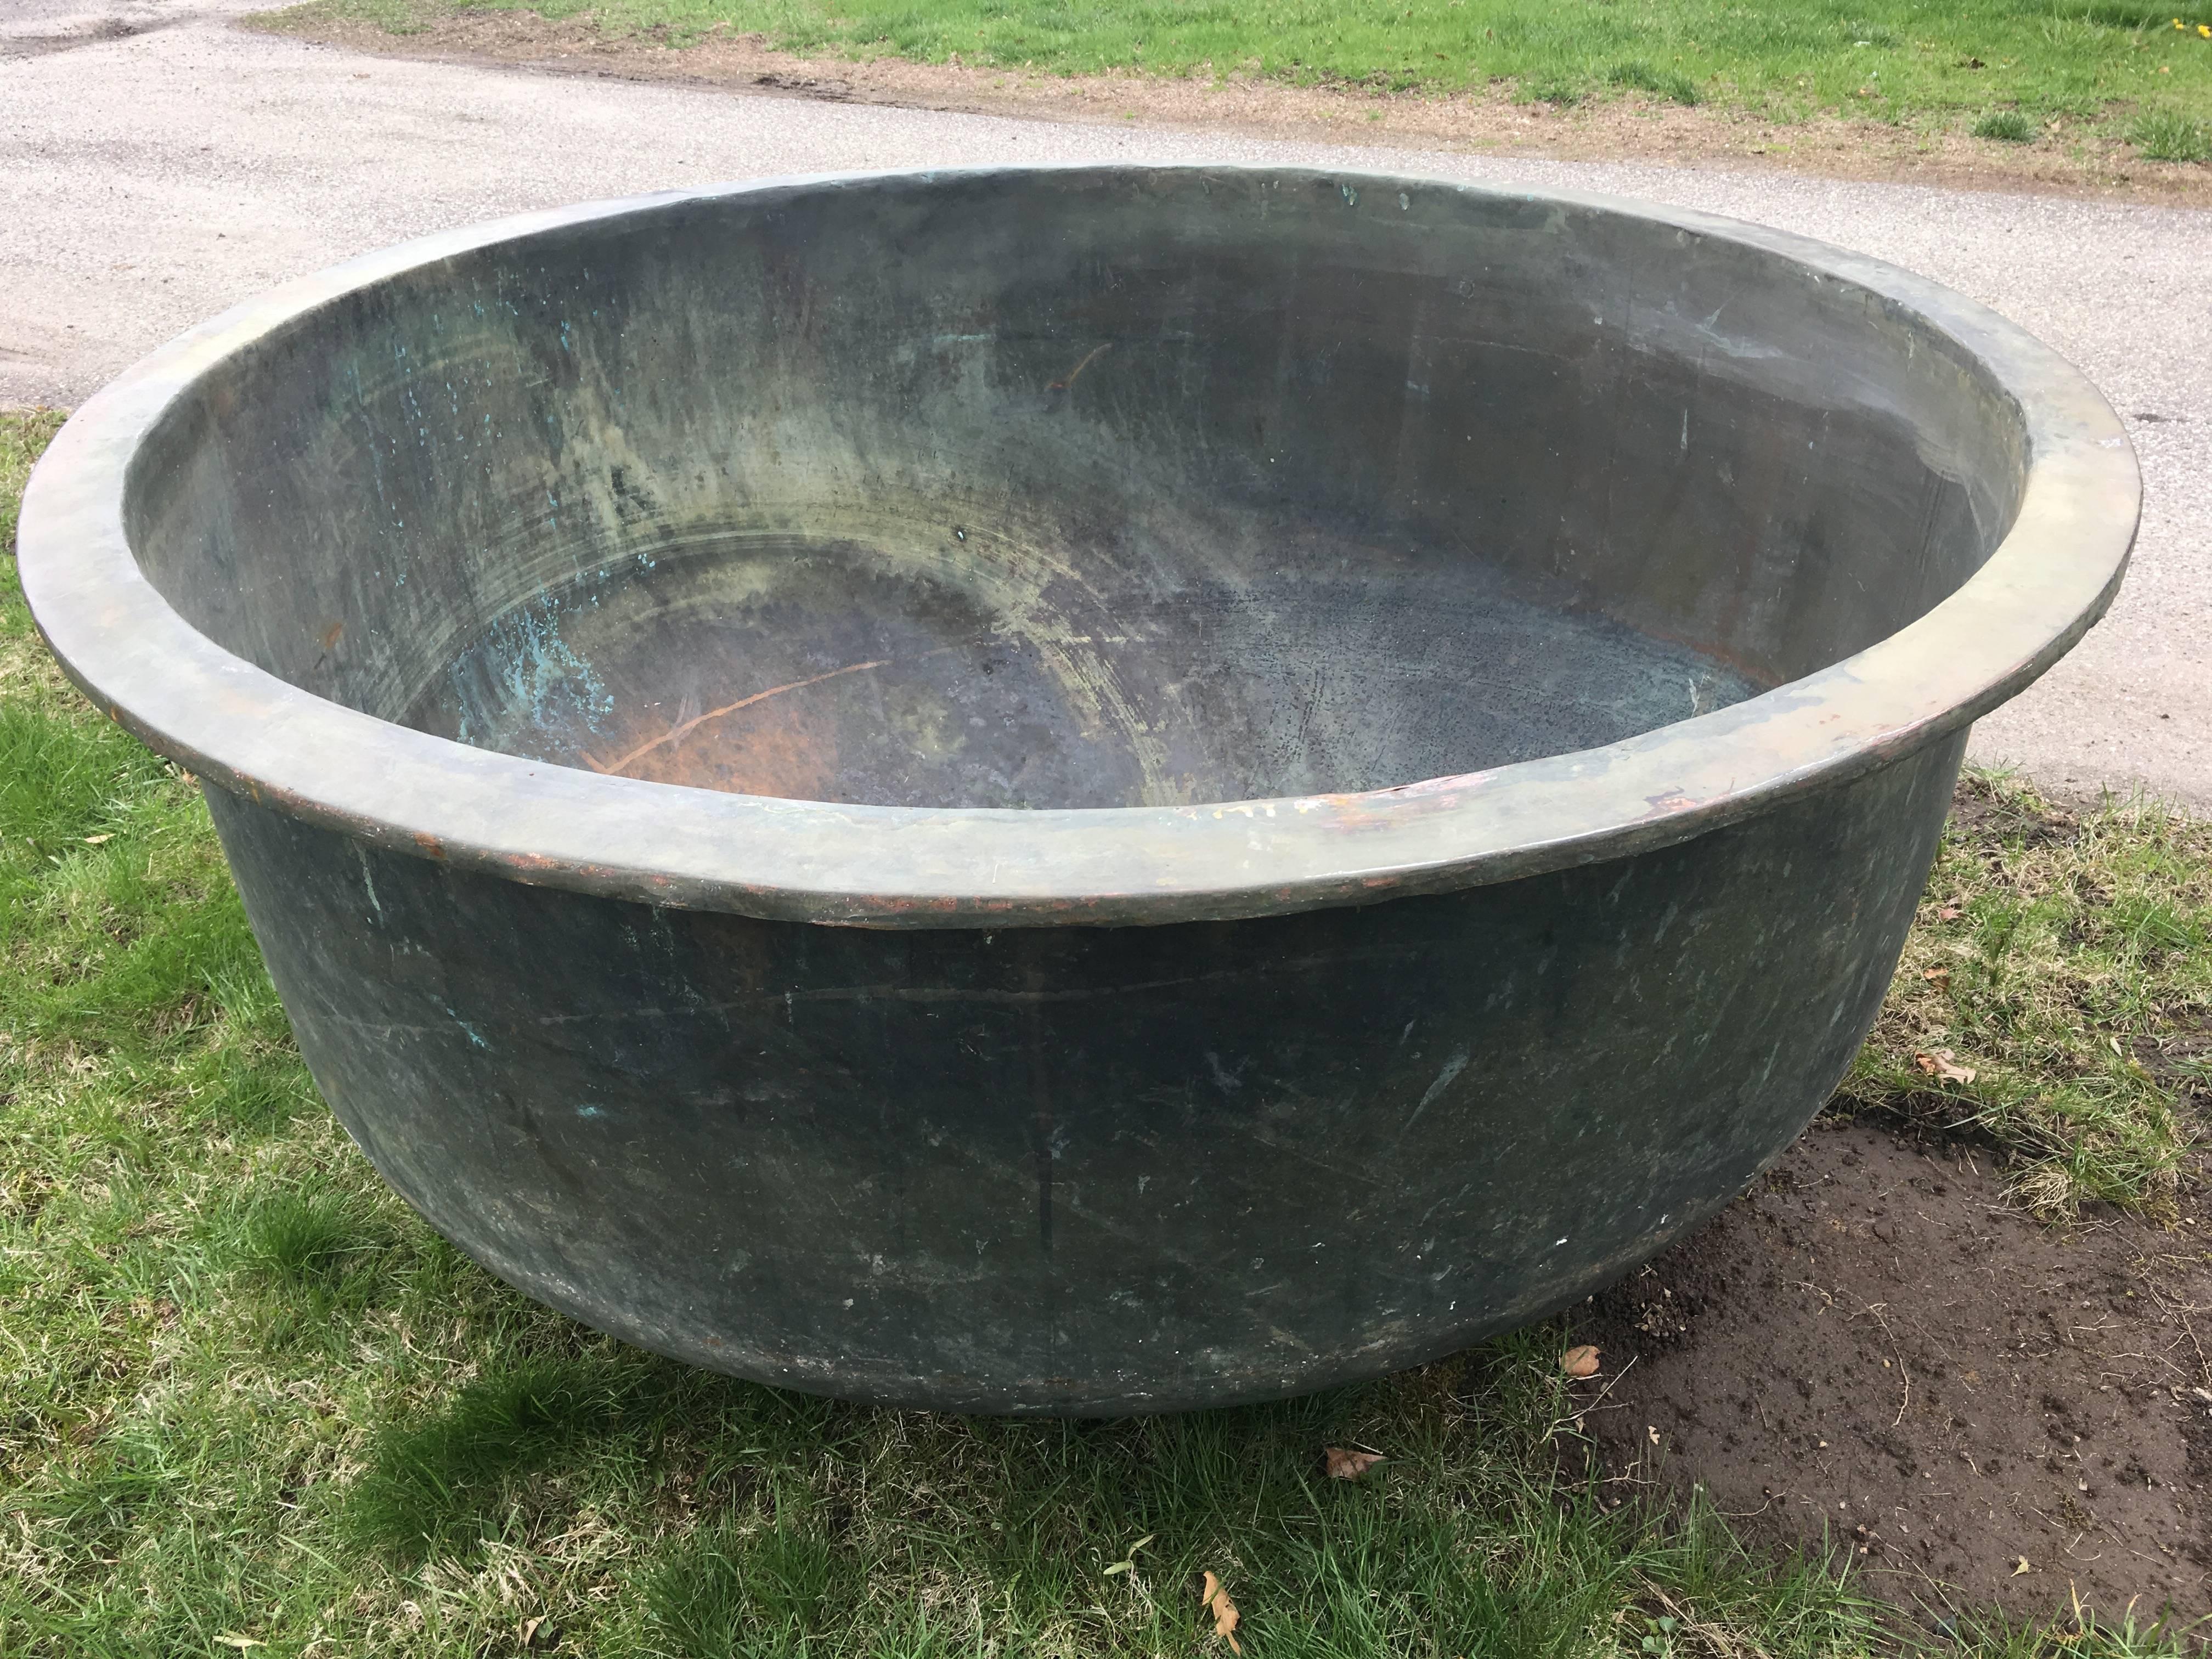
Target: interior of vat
<point>1075,488</point>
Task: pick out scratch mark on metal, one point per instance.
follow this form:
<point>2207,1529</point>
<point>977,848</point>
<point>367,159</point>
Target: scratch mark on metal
<point>1095,354</point>
<point>1453,1067</point>
<point>683,729</point>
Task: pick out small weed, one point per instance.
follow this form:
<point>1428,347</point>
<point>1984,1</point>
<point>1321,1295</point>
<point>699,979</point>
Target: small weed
<point>2008,126</point>
<point>734,1590</point>
<point>2122,15</point>
<point>304,1238</point>
<point>257,1094</point>
<point>448,1483</point>
<point>1643,78</point>
<point>2169,136</point>
<point>1560,94</point>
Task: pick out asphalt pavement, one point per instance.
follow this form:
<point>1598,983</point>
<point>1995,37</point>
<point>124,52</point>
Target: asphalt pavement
<point>158,164</point>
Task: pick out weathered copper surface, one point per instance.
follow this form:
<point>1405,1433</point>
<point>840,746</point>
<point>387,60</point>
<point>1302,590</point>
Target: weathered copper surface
<point>1079,789</point>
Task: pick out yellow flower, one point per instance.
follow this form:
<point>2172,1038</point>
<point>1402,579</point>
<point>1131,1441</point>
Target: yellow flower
<point>2205,29</point>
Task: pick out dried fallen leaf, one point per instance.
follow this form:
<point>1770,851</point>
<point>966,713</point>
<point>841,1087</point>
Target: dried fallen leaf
<point>1936,973</point>
<point>1216,1602</point>
<point>1346,1463</point>
<point>95,841</point>
<point>1949,913</point>
<point>1653,1432</point>
<point>530,1630</point>
<point>1944,1064</point>
<point>2021,1566</point>
<point>1579,1362</point>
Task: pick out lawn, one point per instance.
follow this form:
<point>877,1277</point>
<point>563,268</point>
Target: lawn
<point>253,1406</point>
<point>2011,71</point>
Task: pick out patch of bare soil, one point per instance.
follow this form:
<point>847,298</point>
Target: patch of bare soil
<point>2074,163</point>
<point>1874,1352</point>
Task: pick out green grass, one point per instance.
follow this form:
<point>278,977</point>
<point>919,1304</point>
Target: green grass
<point>1670,85</point>
<point>249,1398</point>
<point>2065,959</point>
<point>2098,67</point>
<point>2008,126</point>
<point>2169,136</point>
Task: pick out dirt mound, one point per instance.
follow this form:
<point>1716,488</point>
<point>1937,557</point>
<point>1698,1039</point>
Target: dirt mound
<point>1873,1349</point>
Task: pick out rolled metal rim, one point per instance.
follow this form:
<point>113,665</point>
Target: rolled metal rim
<point>244,729</point>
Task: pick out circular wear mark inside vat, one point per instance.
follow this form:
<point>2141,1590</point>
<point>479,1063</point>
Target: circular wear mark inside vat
<point>832,670</point>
